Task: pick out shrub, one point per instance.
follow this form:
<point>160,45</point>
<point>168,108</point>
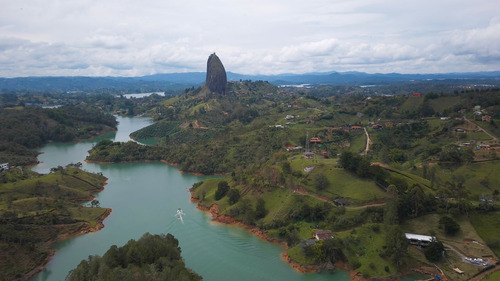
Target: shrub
<point>434,251</point>
<point>222,189</point>
<point>450,226</point>
<point>233,195</point>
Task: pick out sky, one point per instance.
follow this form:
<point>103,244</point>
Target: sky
<point>136,38</point>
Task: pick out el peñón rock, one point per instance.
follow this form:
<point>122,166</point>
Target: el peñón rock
<point>216,75</point>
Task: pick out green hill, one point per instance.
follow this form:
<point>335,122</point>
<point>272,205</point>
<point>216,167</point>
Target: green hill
<point>35,211</point>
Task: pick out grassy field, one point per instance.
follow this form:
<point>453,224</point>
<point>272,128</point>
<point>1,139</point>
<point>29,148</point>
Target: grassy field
<point>480,178</point>
<point>412,104</point>
<point>365,245</point>
<point>495,276</point>
<point>342,183</point>
<point>488,227</point>
<point>410,178</point>
<point>443,103</point>
<point>297,254</point>
<point>89,215</point>
<point>358,142</point>
<point>478,136</point>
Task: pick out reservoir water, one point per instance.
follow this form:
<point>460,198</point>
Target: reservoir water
<point>144,198</point>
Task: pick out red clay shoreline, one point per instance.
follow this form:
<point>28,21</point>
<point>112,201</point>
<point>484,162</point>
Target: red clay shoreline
<point>213,210</point>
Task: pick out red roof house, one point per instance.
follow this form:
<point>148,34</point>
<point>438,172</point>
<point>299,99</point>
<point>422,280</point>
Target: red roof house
<point>323,234</point>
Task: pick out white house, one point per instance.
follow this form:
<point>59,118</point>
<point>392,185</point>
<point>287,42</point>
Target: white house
<point>419,240</point>
<point>4,166</point>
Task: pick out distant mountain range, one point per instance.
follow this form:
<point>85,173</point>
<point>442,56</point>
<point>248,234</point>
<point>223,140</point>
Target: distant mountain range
<point>179,81</point>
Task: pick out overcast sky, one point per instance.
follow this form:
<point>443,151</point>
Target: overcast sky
<point>134,38</point>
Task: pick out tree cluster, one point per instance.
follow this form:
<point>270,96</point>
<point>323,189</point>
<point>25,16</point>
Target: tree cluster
<point>152,257</point>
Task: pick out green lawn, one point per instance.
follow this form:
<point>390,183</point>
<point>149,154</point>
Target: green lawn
<point>495,276</point>
<point>412,104</point>
<point>442,103</point>
<point>87,214</point>
<point>358,143</point>
<point>344,185</point>
<point>365,245</point>
<point>480,178</point>
<point>478,136</point>
<point>297,254</point>
<point>488,227</point>
<point>410,178</point>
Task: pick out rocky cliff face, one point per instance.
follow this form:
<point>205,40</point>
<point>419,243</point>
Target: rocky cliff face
<point>216,75</point>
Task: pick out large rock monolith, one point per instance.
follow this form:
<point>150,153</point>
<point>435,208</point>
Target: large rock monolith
<point>216,75</point>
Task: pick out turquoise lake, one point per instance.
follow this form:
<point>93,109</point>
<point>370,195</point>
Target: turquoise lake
<point>144,198</point>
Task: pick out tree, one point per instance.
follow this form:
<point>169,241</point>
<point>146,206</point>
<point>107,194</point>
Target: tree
<point>397,246</point>
<point>451,227</point>
<point>233,195</point>
<point>332,250</point>
<point>287,169</point>
<point>222,189</point>
<point>321,181</point>
<point>434,251</point>
<point>391,211</point>
<point>260,208</point>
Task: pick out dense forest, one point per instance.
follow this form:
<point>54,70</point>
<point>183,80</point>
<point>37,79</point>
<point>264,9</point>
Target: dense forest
<point>25,128</point>
<point>152,257</point>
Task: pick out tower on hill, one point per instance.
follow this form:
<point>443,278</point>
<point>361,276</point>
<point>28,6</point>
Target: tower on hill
<point>216,75</point>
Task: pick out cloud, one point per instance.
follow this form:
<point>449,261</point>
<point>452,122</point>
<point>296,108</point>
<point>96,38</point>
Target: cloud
<point>126,37</point>
<point>481,44</point>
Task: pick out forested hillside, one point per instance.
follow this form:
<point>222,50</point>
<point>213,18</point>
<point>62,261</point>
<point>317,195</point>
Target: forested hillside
<point>25,128</point>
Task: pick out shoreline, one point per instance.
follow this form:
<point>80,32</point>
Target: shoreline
<point>198,174</point>
<point>228,220</point>
<point>84,229</point>
<point>213,210</point>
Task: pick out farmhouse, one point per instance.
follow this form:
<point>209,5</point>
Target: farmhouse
<point>356,128</point>
<point>419,240</point>
<point>323,234</point>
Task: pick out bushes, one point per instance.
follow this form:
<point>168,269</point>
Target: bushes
<point>233,195</point>
<point>321,181</point>
<point>451,227</point>
<point>222,189</point>
<point>434,251</point>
